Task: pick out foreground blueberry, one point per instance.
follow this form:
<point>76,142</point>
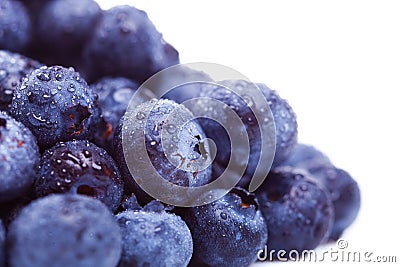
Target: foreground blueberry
<point>64,230</point>
<point>19,157</point>
<point>56,104</point>
<point>227,232</point>
<point>126,43</point>
<point>13,67</point>
<point>114,95</point>
<point>154,238</point>
<point>79,167</point>
<point>15,25</point>
<point>343,189</point>
<point>186,143</point>
<point>298,210</point>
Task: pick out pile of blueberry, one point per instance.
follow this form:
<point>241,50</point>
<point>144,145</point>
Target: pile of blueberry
<point>67,197</point>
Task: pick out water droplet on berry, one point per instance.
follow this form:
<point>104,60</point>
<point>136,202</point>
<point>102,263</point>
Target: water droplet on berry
<point>71,88</point>
<point>223,216</point>
<point>87,153</point>
<point>303,187</point>
<point>44,77</point>
<point>140,116</point>
<point>96,166</point>
<point>171,128</point>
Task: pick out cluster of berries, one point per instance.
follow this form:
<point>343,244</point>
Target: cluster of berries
<point>68,70</point>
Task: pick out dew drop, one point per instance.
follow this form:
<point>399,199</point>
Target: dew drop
<point>71,88</point>
<point>96,166</point>
<point>171,128</point>
<point>44,77</point>
<point>140,116</point>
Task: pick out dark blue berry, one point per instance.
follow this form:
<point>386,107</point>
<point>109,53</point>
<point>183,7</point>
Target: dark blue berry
<point>62,28</point>
<point>345,195</point>
<point>19,157</point>
<point>154,238</point>
<point>79,167</point>
<point>129,203</point>
<point>126,43</point>
<point>240,96</point>
<point>2,245</point>
<point>64,230</point>
<point>186,143</point>
<point>303,154</point>
<point>56,104</point>
<point>189,83</point>
<point>114,95</point>
<point>13,67</point>
<point>297,209</point>
<point>227,232</point>
<point>15,25</point>
<point>285,123</point>
<point>343,189</point>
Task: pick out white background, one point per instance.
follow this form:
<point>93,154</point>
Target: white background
<point>338,65</point>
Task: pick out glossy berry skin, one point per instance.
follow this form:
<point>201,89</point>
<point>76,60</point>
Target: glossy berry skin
<point>62,28</point>
<point>302,155</point>
<point>114,95</point>
<point>345,195</point>
<point>343,189</point>
<point>2,245</point>
<point>190,82</point>
<point>186,146</point>
<point>285,123</point>
<point>13,67</point>
<point>79,167</point>
<point>56,104</point>
<point>19,157</point>
<point>227,232</point>
<point>15,25</point>
<point>297,209</point>
<point>64,230</point>
<point>154,238</point>
<point>216,131</point>
<point>126,43</point>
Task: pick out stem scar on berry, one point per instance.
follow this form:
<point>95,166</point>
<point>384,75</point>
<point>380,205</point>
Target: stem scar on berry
<point>77,116</point>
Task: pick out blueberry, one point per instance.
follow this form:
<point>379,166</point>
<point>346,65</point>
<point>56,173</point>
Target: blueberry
<point>13,67</point>
<point>79,167</point>
<point>129,203</point>
<point>154,238</point>
<point>190,82</point>
<point>343,189</point>
<point>15,25</point>
<point>244,99</point>
<point>297,209</point>
<point>302,155</point>
<point>64,230</point>
<point>186,144</point>
<point>2,244</point>
<point>56,104</point>
<point>19,157</point>
<point>227,232</point>
<point>285,123</point>
<point>114,96</point>
<point>62,28</point>
<point>126,43</point>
